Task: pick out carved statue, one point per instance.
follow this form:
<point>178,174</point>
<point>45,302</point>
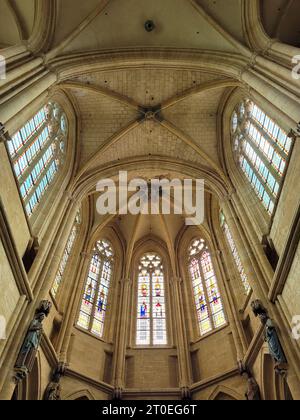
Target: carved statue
<point>253,391</point>
<point>271,337</point>
<point>53,390</point>
<point>27,355</point>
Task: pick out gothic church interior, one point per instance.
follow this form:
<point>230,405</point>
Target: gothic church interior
<point>143,306</point>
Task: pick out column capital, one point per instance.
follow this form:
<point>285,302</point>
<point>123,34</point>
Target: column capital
<point>126,280</point>
<point>177,280</point>
<point>85,255</point>
<point>70,196</point>
<point>295,134</point>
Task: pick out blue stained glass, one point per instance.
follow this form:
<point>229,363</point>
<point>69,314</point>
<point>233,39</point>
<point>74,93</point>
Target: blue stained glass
<point>94,303</point>
<point>29,158</point>
<point>264,135</point>
<point>208,301</point>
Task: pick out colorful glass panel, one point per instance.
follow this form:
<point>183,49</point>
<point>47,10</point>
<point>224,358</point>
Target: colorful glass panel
<point>94,303</point>
<point>235,254</point>
<point>208,302</point>
<point>66,256</point>
<point>262,149</point>
<point>37,152</point>
<point>151,304</point>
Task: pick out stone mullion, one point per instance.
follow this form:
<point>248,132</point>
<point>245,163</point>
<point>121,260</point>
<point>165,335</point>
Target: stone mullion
<point>32,164</point>
<point>30,140</point>
<point>38,181</point>
<point>94,308</point>
<point>270,140</point>
<point>259,176</point>
<point>205,291</point>
<point>264,158</point>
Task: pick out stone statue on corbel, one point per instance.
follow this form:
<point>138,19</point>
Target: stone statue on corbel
<point>30,346</point>
<point>271,337</point>
<point>253,391</point>
<point>53,390</point>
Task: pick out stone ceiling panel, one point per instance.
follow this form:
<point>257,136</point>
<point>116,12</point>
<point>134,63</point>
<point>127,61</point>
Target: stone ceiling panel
<point>121,25</point>
<point>101,118</point>
<point>148,87</point>
<point>196,116</point>
<point>149,139</point>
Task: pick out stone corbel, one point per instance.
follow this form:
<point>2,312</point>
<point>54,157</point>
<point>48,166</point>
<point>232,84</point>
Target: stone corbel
<point>117,394</point>
<point>53,390</point>
<point>186,394</point>
<point>4,136</point>
<point>253,391</point>
<point>295,134</point>
<point>70,197</point>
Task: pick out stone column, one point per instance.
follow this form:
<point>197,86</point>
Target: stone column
<point>12,106</point>
<point>71,311</point>
<point>182,339</point>
<point>275,94</point>
<point>119,357</point>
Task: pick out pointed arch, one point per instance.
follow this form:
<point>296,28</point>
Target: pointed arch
<point>94,304</point>
<point>206,291</point>
<point>222,392</point>
<point>261,149</point>
<point>84,394</point>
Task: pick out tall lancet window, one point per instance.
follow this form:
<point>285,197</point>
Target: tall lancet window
<point>235,254</point>
<point>151,329</point>
<point>261,149</point>
<point>66,255</point>
<point>207,297</point>
<point>94,302</point>
<point>37,152</point>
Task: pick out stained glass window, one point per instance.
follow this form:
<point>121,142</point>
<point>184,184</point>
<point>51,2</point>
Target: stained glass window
<point>37,152</point>
<point>261,149</point>
<point>235,254</point>
<point>151,327</point>
<point>66,256</point>
<point>209,306</point>
<point>95,297</point>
